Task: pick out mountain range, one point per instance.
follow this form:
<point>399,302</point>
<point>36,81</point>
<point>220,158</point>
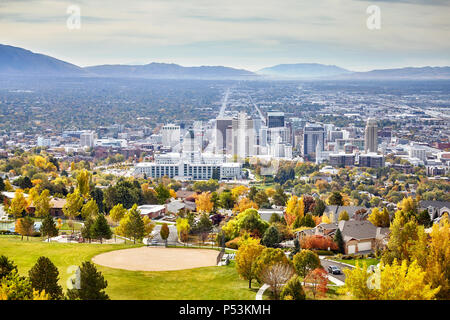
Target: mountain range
<point>16,61</point>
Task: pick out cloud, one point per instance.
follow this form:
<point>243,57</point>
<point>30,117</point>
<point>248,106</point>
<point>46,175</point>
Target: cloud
<point>233,31</point>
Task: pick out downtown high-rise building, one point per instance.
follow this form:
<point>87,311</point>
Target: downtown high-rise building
<point>313,135</point>
<point>243,136</point>
<point>371,136</point>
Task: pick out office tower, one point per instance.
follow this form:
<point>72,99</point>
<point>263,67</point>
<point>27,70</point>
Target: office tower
<point>220,132</point>
<point>312,135</point>
<point>171,135</point>
<point>275,119</point>
<point>87,139</point>
<point>371,160</point>
<point>371,136</point>
<point>244,136</point>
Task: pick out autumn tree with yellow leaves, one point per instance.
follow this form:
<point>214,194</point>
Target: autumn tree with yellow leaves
<point>204,203</point>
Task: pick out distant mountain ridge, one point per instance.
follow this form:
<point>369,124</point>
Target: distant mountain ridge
<point>18,61</point>
<point>167,70</point>
<point>303,70</point>
<point>416,73</point>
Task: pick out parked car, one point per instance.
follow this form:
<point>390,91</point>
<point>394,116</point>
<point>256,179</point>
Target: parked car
<point>154,242</point>
<point>334,270</point>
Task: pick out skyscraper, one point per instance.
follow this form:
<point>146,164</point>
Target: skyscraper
<point>244,136</point>
<point>220,132</point>
<point>371,136</point>
<point>313,134</point>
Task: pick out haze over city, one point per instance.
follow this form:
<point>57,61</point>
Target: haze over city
<point>240,34</point>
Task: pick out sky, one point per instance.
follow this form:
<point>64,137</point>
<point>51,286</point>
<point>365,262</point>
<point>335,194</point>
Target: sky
<point>248,34</point>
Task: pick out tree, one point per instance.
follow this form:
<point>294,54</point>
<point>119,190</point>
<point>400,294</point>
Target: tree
<point>279,198</point>
<point>295,209</point>
<point>83,182</point>
<point>293,289</point>
<point>404,239</point>
<point>379,218</point>
<point>336,199</point>
<point>44,278</point>
<point>319,208</point>
<point>239,191</point>
<point>97,195</point>
<point>339,240</point>
<point>203,226</point>
<point>398,281</point>
<point>2,184</point>
<point>73,205</point>
<point>226,199</point>
<point>15,287</point>
<point>6,267</point>
<point>23,183</point>
<point>135,228</point>
<point>261,199</point>
<point>203,202</point>
<point>162,193</point>
<point>252,192</point>
<point>251,221</point>
<point>183,228</point>
<point>18,204</point>
<point>317,280</point>
<point>305,261</point>
<point>25,226</point>
<point>100,228</point>
<point>164,232</point>
<point>148,226</point>
<point>438,262</point>
<point>245,260</point>
<point>117,213</point>
<point>275,217</point>
<point>244,204</point>
<point>92,284</point>
<point>42,204</point>
<point>404,282</point>
<point>343,215</point>
<point>271,237</point>
<point>267,258</point>
<point>86,230</point>
<point>89,210</point>
<point>423,218</point>
<point>48,227</point>
<point>275,275</point>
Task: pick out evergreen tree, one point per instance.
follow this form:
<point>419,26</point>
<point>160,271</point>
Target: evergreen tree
<point>6,266</point>
<point>279,198</point>
<point>97,195</point>
<point>92,284</point>
<point>86,231</point>
<point>336,199</point>
<point>135,228</point>
<point>48,227</point>
<point>319,208</point>
<point>44,276</point>
<point>307,221</point>
<point>100,228</point>
<point>2,184</point>
<point>271,237</point>
<point>423,218</point>
<point>339,240</point>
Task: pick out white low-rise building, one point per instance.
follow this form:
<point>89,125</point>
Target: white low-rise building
<point>191,164</point>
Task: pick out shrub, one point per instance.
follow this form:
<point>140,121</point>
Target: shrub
<point>293,290</point>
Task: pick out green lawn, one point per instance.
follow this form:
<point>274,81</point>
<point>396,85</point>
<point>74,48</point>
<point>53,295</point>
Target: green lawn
<point>200,283</point>
<point>368,261</point>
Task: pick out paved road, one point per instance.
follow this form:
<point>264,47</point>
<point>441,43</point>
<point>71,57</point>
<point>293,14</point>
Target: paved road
<point>326,263</point>
<point>173,236</point>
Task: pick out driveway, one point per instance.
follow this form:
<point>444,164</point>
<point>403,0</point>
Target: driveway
<point>326,263</point>
<point>173,235</point>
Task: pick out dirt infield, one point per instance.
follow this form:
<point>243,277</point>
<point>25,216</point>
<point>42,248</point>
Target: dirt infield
<point>157,259</point>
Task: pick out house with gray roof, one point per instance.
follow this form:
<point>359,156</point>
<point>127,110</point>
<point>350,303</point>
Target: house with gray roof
<point>436,209</point>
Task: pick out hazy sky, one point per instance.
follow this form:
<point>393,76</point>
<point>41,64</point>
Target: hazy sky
<point>247,34</point>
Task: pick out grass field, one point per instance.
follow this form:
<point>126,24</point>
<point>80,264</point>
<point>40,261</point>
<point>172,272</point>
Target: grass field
<point>369,261</point>
<point>200,283</point>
